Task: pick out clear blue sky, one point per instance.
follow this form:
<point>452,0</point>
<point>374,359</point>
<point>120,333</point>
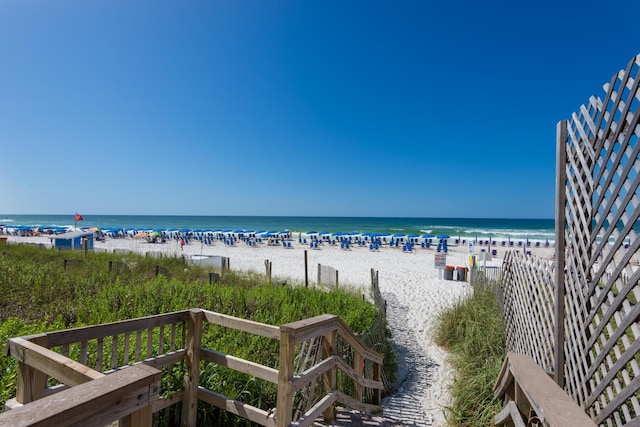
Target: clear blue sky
<point>319,108</point>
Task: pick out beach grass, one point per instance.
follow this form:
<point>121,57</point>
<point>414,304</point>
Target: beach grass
<point>44,289</point>
<point>473,333</point>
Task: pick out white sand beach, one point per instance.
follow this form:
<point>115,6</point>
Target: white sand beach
<point>409,282</point>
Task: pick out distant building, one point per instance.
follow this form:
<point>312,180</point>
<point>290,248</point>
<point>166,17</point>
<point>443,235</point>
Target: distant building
<point>73,240</point>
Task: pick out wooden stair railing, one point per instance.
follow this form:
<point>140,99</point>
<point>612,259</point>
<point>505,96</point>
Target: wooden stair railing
<point>531,395</point>
<point>97,400</point>
<point>37,361</point>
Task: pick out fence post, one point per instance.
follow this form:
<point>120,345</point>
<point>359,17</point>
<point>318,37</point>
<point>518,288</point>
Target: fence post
<point>31,383</point>
<point>330,377</point>
<point>306,270</point>
<point>267,265</point>
<point>377,376</point>
<point>561,180</point>
<point>358,366</point>
<point>284,402</point>
<point>192,361</point>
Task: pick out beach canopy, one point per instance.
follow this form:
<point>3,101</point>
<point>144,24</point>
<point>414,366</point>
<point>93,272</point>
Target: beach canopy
<point>413,235</point>
<point>399,235</point>
<point>443,236</point>
<point>428,236</point>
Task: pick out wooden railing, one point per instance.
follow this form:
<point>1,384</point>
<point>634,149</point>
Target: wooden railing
<point>92,354</point>
<point>531,397</point>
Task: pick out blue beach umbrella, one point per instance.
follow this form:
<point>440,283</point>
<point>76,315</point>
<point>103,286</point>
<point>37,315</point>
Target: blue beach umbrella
<point>443,236</point>
<point>428,236</point>
<point>399,235</point>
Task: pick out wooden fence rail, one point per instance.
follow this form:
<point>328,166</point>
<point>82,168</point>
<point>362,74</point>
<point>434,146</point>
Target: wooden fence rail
<point>169,339</point>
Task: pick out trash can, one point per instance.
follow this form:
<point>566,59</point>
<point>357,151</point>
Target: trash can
<point>461,274</point>
<point>448,272</point>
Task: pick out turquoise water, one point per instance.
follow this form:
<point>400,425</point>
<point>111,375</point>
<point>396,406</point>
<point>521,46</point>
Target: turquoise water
<point>465,228</point>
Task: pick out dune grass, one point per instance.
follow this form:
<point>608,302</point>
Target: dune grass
<point>473,332</point>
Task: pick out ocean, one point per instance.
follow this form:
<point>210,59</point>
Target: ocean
<point>465,228</point>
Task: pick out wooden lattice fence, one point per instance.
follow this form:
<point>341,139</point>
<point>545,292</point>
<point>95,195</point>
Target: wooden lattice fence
<point>528,293</point>
<point>590,341</point>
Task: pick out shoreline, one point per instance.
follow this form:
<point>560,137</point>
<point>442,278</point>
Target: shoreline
<point>414,290</point>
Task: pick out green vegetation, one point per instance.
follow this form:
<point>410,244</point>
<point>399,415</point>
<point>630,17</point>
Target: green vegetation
<point>43,289</point>
<point>473,332</point>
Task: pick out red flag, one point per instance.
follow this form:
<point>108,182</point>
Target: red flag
<point>79,217</point>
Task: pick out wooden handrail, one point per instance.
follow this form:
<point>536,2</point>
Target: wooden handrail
<point>126,393</point>
<point>240,365</point>
<point>37,362</point>
<point>526,384</point>
<point>51,363</point>
<point>69,336</point>
<point>255,328</point>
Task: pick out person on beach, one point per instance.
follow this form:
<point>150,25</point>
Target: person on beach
<point>181,244</point>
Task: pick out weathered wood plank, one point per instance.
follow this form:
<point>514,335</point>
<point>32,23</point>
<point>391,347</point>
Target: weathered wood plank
<point>51,363</point>
<point>192,377</point>
<point>357,405</point>
<point>240,365</point>
<point>551,404</point>
<point>257,415</point>
<point>309,417</point>
<point>356,344</point>
<point>250,326</point>
<point>68,336</point>
<point>304,378</point>
<point>284,401</point>
<point>91,404</point>
<point>306,329</point>
<point>508,414</point>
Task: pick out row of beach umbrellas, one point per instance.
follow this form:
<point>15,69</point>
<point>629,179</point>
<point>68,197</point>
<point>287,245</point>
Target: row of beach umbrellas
<point>260,233</point>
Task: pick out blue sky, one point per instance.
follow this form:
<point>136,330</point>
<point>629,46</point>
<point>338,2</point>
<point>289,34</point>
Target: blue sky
<point>310,108</point>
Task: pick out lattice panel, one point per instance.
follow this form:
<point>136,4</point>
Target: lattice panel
<point>529,314</point>
<point>602,191</point>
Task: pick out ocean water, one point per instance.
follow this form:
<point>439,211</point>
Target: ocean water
<point>465,228</point>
